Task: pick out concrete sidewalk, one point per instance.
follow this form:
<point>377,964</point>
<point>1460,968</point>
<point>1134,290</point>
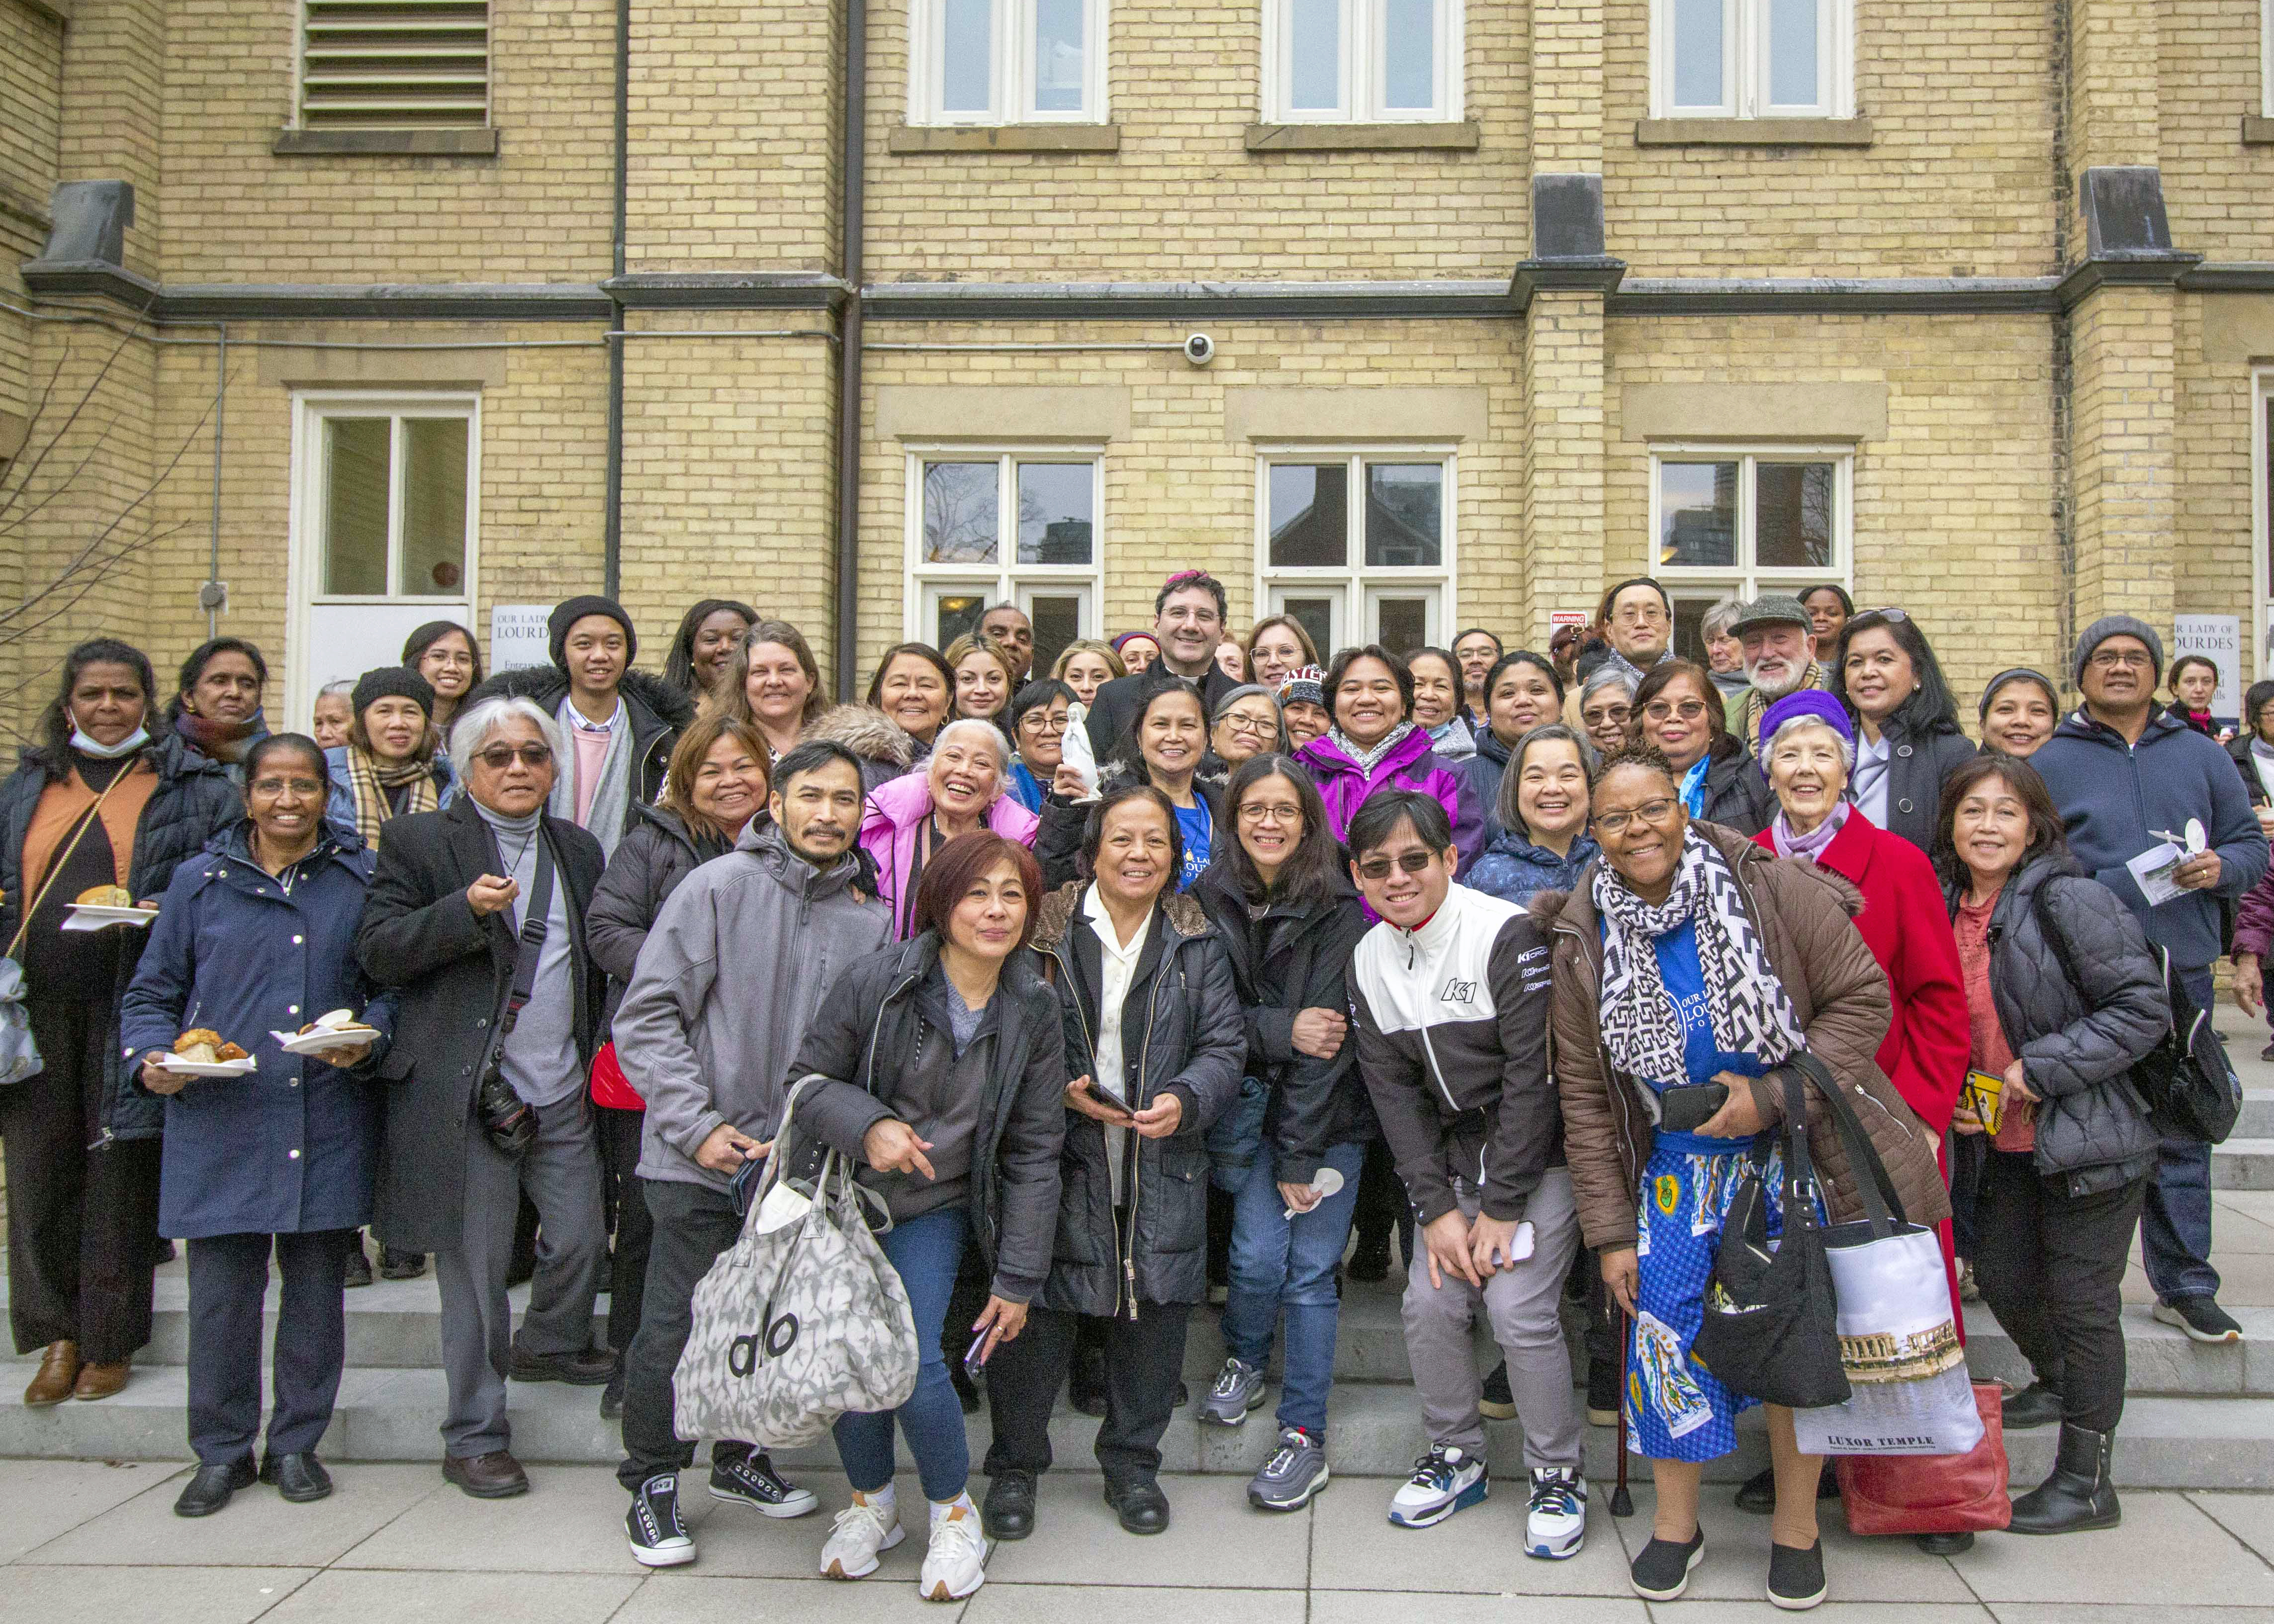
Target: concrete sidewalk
<point>99,1543</point>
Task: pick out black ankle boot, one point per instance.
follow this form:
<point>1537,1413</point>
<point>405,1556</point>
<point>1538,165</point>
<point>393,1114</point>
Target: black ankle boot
<point>2080,1495</point>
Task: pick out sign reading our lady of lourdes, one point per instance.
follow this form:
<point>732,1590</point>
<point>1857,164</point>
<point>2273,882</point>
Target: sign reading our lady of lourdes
<point>518,636</point>
<point>2218,639</point>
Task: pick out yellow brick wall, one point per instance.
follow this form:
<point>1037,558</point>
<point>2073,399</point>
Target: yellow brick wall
<point>31,87</point>
<point>2126,499</point>
<point>2213,473</point>
<point>2219,193</point>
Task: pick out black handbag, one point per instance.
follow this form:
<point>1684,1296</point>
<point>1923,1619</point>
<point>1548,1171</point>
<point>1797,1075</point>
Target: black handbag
<point>508,1121</point>
<point>1771,1327</point>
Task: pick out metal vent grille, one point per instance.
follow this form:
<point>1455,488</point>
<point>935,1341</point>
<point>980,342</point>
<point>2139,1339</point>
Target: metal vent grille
<point>396,63</point>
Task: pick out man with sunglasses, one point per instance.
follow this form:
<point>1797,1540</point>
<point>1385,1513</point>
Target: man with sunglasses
<point>2124,773</point>
<point>484,986</point>
<point>1450,996</point>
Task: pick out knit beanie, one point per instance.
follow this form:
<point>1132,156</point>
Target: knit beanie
<point>1125,637</point>
<point>1307,687</point>
<point>1813,702</point>
<point>2021,673</point>
<point>392,682</point>
<point>568,614</point>
<point>2118,626</point>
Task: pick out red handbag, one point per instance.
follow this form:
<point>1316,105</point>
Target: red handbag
<point>609,1088</point>
<point>1933,1493</point>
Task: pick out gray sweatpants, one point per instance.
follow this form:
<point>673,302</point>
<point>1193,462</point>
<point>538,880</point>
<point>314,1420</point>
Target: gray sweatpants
<point>561,1172</point>
<point>1522,1306</point>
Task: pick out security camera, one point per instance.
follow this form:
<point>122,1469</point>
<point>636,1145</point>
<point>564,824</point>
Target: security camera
<point>1200,350</point>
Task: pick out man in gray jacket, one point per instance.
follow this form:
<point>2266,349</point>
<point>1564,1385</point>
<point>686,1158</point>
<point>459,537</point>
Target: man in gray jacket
<point>727,982</point>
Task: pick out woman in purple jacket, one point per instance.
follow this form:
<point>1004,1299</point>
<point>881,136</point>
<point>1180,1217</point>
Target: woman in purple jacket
<point>1375,744</point>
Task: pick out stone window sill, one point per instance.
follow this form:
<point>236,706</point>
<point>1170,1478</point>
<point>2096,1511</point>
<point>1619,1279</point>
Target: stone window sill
<point>1753,133</point>
<point>397,143</point>
<point>1363,137</point>
<point>910,139</point>
<point>2257,131</point>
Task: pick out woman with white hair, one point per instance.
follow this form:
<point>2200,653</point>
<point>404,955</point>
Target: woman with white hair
<point>1807,750</point>
<point>963,785</point>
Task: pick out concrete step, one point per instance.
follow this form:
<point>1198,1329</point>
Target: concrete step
<point>2243,1164</point>
<point>2257,1119</point>
<point>1374,1431</point>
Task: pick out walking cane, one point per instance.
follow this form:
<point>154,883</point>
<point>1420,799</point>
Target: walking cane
<point>1622,1502</point>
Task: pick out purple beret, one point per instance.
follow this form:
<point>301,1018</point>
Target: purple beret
<point>1813,702</point>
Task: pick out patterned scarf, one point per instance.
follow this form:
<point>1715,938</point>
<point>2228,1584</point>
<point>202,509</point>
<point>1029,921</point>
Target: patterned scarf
<point>1365,759</point>
<point>1750,1009</point>
<point>225,742</point>
<point>368,782</point>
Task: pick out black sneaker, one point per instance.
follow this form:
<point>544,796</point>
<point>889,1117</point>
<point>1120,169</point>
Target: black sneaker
<point>2201,1318</point>
<point>1660,1570</point>
<point>395,1265</point>
<point>2035,1405</point>
<point>359,1271</point>
<point>1370,1263</point>
<point>588,1367</point>
<point>1795,1577</point>
<point>750,1480</point>
<point>652,1527</point>
<point>1497,1401</point>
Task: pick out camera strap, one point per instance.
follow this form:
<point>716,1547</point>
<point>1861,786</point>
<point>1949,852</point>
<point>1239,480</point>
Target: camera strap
<point>532,942</point>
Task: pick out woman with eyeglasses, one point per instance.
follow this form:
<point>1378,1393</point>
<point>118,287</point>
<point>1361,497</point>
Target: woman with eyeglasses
<point>1692,958</point>
<point>1281,902</point>
<point>256,934</point>
<point>1907,739</point>
<point>1678,713</point>
<point>1522,691</point>
<point>1606,708</point>
<point>1277,649</point>
<point>1037,722</point>
<point>443,652</point>
<point>1246,726</point>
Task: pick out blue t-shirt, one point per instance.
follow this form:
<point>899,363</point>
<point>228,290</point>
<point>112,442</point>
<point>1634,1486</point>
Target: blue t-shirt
<point>1686,985</point>
<point>1193,820</point>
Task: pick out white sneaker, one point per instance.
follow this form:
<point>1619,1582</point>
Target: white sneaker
<point>1444,1481</point>
<point>861,1533</point>
<point>956,1564</point>
<point>1555,1526</point>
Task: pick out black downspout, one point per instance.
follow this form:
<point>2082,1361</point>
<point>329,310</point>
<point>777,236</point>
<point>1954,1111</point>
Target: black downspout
<point>855,146</point>
<point>612,565</point>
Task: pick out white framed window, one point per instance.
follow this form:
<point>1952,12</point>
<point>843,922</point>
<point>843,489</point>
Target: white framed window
<point>1752,58</point>
<point>1738,521</point>
<point>1362,61</point>
<point>1357,542</point>
<point>1018,526</point>
<point>385,527</point>
<point>1007,62</point>
<point>394,63</point>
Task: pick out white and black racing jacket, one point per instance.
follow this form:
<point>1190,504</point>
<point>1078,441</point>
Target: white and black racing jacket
<point>1452,1033</point>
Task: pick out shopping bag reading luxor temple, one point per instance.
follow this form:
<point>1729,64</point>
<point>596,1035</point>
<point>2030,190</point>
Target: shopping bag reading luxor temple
<point>800,1320</point>
<point>1908,1388</point>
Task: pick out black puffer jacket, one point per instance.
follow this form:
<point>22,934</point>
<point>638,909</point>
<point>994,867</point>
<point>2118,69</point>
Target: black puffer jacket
<point>193,801</point>
<point>1291,960</point>
<point>1181,1033</point>
<point>2077,1043</point>
<point>1738,796</point>
<point>656,709</point>
<point>870,1023</point>
<point>658,850</point>
<point>1917,762</point>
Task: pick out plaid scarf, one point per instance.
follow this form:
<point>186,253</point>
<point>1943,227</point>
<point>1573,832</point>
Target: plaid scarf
<point>1750,1009</point>
<point>368,783</point>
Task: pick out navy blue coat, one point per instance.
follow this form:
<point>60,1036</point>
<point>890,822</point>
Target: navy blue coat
<point>294,1146</point>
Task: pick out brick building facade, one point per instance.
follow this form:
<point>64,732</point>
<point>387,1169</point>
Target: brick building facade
<point>1969,307</point>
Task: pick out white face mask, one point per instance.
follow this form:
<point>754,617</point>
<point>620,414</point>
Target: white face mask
<point>127,746</point>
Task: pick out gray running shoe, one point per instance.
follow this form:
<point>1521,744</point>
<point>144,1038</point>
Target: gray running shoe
<point>1295,1472</point>
<point>1238,1388</point>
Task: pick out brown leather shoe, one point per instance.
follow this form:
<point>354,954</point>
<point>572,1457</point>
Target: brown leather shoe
<point>102,1380</point>
<point>494,1476</point>
<point>58,1369</point>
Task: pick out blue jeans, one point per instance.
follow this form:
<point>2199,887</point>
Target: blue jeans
<point>927,1251</point>
<point>1282,1264</point>
<point>2175,1219</point>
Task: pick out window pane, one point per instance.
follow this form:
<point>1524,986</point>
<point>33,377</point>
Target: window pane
<point>1314,51</point>
<point>955,614</point>
<point>1309,515</point>
<point>1401,624</point>
<point>1316,616</point>
<point>1054,513</point>
<point>1697,513</point>
<point>1792,52</point>
<point>1057,622</point>
<point>959,513</point>
<point>1058,55</point>
<point>1690,626</point>
<point>1697,53</point>
<point>1794,526</point>
<point>1409,55</point>
<point>966,54</point>
<point>1404,514</point>
<point>434,508</point>
<point>354,505</point>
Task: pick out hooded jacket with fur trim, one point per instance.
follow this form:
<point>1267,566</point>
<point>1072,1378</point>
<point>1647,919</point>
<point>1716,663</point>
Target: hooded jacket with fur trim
<point>656,710</point>
<point>884,746</point>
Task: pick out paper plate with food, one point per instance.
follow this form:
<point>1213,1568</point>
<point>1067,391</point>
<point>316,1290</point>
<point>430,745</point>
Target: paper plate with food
<point>203,1052</point>
<point>339,1029</point>
<point>99,907</point>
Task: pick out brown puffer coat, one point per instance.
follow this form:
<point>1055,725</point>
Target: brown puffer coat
<point>1804,914</point>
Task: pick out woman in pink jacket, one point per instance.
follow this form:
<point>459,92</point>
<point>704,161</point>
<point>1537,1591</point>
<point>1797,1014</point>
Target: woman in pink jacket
<point>961,787</point>
<point>1375,744</point>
